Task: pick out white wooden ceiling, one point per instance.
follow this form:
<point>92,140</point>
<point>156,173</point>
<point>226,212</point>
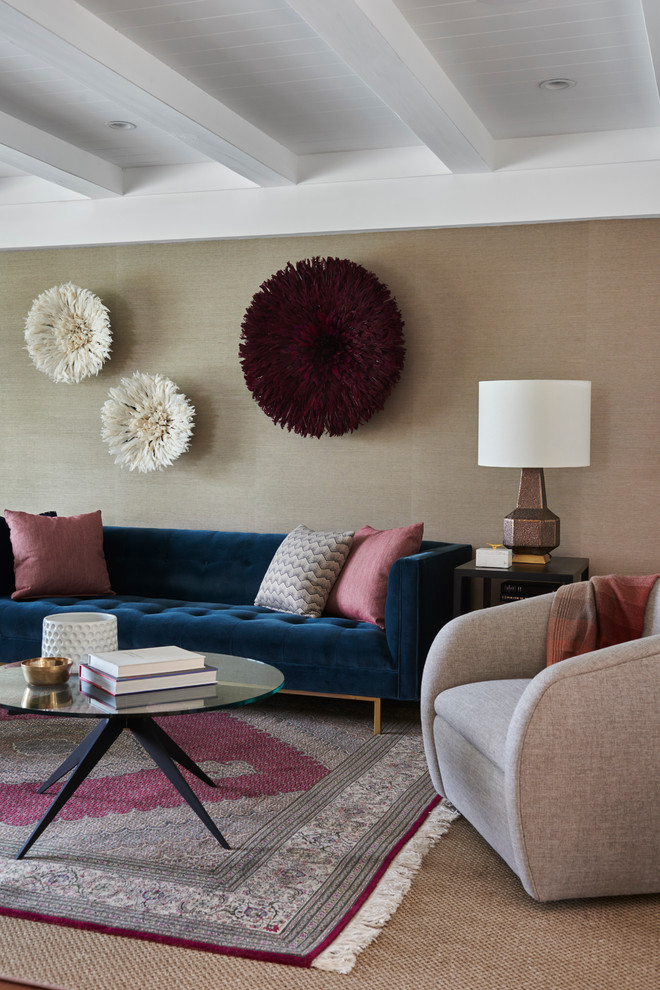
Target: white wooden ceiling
<point>235,93</point>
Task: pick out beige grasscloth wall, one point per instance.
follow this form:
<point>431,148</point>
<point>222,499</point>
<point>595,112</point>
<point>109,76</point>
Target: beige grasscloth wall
<point>579,300</point>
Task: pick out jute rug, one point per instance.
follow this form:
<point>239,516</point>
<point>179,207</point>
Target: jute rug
<point>327,825</point>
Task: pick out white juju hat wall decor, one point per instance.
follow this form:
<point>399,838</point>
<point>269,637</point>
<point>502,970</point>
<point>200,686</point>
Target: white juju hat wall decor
<point>146,422</point>
<point>67,333</point>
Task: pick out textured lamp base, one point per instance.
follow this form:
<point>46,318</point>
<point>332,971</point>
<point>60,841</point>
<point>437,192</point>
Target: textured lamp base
<point>531,530</point>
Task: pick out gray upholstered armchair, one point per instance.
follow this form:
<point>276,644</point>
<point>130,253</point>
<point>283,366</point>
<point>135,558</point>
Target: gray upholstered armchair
<point>557,767</point>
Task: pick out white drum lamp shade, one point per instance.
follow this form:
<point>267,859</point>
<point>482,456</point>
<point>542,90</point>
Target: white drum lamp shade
<point>532,425</point>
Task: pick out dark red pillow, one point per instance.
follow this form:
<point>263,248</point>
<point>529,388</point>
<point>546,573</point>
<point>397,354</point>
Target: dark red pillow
<point>7,583</point>
<point>58,555</point>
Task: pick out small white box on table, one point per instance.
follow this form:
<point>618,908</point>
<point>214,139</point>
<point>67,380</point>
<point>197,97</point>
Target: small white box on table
<point>494,556</point>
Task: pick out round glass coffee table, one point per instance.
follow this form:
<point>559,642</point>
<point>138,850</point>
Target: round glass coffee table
<point>239,682</point>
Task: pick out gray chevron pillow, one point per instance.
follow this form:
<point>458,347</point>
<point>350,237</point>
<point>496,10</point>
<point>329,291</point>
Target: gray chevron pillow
<point>301,574</point>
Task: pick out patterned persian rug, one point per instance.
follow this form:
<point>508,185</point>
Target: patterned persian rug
<point>327,825</point>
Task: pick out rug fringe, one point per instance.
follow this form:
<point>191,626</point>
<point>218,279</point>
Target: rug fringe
<point>341,956</point>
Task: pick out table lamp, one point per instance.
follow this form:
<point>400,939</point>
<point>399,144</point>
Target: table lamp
<point>524,423</point>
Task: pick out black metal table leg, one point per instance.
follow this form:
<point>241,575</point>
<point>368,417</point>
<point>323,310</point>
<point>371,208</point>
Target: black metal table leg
<point>143,730</point>
<point>176,753</point>
<point>162,749</point>
<point>75,757</point>
<point>98,744</point>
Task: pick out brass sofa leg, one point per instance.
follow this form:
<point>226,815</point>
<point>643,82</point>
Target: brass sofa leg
<point>377,716</point>
<point>349,697</point>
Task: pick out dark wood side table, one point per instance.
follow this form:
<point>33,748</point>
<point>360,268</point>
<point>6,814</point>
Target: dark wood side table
<point>558,570</point>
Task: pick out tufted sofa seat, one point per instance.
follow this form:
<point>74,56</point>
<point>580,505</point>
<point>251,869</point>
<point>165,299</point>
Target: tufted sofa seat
<point>195,588</point>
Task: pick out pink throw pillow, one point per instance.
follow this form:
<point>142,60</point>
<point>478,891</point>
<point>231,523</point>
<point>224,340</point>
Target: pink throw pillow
<point>361,588</point>
<point>58,555</point>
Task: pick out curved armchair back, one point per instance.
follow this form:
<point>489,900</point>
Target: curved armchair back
<point>558,767</point>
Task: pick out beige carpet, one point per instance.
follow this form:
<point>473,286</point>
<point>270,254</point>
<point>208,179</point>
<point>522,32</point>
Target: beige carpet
<point>466,924</point>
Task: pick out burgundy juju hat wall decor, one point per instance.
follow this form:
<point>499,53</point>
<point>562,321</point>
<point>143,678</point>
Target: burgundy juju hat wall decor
<point>322,346</point>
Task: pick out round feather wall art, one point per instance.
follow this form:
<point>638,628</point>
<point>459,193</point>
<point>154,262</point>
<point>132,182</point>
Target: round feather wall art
<point>146,422</point>
<point>322,346</point>
<point>67,333</point>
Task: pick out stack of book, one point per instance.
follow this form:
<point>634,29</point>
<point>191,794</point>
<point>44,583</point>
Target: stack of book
<point>159,677</point>
<point>515,591</point>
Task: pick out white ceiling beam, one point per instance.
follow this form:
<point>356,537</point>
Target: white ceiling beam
<point>66,35</point>
<point>47,157</point>
<point>377,43</point>
<point>651,11</point>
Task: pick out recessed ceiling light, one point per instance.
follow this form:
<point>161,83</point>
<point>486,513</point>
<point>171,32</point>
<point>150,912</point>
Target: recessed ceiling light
<point>555,84</point>
<point>120,125</point>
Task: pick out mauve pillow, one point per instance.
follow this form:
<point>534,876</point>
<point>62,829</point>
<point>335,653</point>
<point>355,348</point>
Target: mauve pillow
<point>7,583</point>
<point>361,588</point>
<point>59,555</point>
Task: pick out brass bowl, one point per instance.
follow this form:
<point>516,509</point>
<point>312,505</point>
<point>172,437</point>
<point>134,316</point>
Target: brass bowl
<point>47,670</point>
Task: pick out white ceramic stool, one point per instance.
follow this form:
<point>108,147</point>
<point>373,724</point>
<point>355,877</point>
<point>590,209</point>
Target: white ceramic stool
<point>74,634</point>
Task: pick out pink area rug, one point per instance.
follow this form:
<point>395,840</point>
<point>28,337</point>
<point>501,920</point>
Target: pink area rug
<point>327,825</point>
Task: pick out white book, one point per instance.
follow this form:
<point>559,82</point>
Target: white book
<point>148,682</point>
<point>145,660</point>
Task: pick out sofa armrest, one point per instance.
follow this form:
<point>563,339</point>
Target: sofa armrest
<point>583,752</point>
<point>419,603</point>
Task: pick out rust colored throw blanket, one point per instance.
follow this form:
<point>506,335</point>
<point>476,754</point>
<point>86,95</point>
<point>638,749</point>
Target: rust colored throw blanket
<point>593,614</point>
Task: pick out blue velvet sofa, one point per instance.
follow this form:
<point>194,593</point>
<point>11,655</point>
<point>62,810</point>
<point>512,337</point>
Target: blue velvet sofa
<point>195,588</point>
